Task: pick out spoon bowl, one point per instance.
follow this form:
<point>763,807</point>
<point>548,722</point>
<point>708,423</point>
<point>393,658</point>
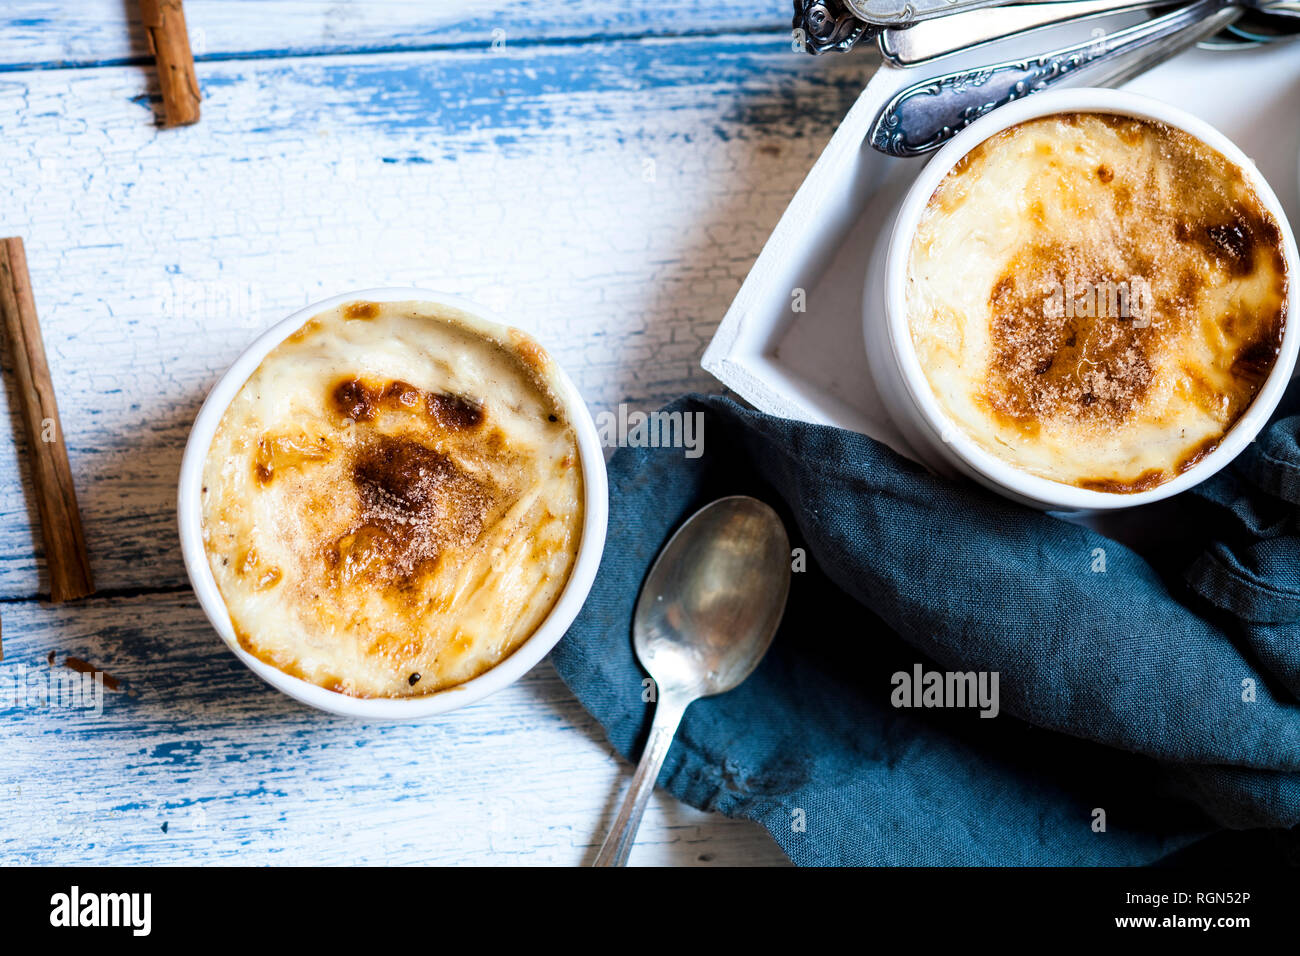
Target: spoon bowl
<point>713,599</point>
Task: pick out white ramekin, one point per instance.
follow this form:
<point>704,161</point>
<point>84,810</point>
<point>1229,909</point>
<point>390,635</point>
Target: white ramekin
<point>537,646</point>
<point>902,384</point>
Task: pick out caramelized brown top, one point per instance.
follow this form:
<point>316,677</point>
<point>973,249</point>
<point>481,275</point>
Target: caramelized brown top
<point>354,399</point>
<point>1070,336</point>
<point>415,502</point>
<point>361,310</point>
<point>1045,365</point>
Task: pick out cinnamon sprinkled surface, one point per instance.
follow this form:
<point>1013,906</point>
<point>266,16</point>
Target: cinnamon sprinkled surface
<point>416,502</point>
<point>1046,363</point>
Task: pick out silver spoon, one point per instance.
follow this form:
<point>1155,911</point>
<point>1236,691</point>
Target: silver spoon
<point>923,116</point>
<point>901,13</point>
<point>935,39</point>
<point>707,612</point>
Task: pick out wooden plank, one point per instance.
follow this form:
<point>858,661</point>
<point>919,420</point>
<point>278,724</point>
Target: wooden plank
<point>610,197</point>
<point>194,760</point>
<point>96,32</point>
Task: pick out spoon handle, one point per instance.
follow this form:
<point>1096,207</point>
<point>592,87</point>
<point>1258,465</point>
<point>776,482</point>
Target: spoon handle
<point>618,844</point>
<point>923,116</point>
<point>934,39</point>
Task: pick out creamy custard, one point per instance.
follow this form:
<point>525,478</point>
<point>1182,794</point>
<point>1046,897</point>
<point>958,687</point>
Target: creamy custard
<point>393,501</point>
<point>1096,299</point>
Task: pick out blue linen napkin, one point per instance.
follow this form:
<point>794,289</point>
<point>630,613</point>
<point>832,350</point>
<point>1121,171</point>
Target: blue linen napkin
<point>1145,700</point>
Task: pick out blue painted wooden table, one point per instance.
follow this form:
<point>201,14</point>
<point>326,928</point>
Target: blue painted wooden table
<point>602,172</point>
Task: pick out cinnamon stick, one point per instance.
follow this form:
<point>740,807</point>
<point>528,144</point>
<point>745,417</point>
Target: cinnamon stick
<point>56,498</point>
<point>164,22</point>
